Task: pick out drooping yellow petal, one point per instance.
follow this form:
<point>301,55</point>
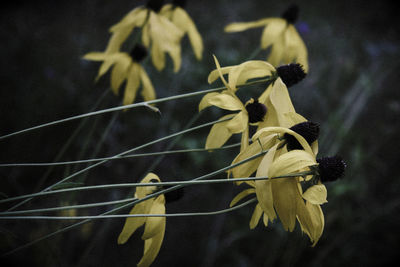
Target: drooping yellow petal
<point>241,195</point>
<point>238,123</point>
<point>316,194</point>
<point>311,220</point>
<point>285,195</point>
<point>215,74</point>
<point>204,101</point>
<point>255,218</point>
<point>249,70</point>
<point>248,168</point>
<point>242,26</point>
<point>296,50</point>
<point>101,56</point>
<point>263,187</point>
<point>277,51</point>
<point>219,134</point>
<point>152,247</point>
<point>148,91</point>
<point>291,162</point>
<point>272,32</point>
<point>155,225</point>
<point>221,74</point>
<point>226,101</point>
<point>133,223</point>
<point>132,84</point>
<point>120,72</point>
<point>134,18</point>
<point>157,56</point>
<point>117,39</point>
<point>183,21</point>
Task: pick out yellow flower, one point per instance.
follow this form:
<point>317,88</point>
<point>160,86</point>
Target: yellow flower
<point>268,137</point>
<point>124,68</point>
<point>157,31</point>
<point>154,227</point>
<point>279,33</point>
<point>284,197</point>
<point>182,20</point>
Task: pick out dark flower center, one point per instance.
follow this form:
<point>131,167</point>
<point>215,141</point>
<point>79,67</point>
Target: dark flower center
<point>309,130</point>
<point>331,168</point>
<point>138,53</point>
<point>155,5</point>
<point>291,14</point>
<point>180,3</point>
<point>173,195</point>
<point>256,111</point>
<point>291,73</point>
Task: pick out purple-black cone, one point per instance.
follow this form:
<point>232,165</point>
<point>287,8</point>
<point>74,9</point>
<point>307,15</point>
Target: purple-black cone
<point>308,130</point>
<point>331,168</point>
<point>256,111</point>
<point>291,73</point>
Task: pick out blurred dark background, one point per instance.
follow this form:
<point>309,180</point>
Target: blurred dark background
<point>351,89</point>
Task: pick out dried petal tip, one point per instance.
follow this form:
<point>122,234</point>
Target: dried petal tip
<point>256,111</point>
<point>331,168</point>
<point>180,3</point>
<point>291,14</point>
<point>155,5</point>
<point>309,130</point>
<point>291,73</point>
<point>138,53</point>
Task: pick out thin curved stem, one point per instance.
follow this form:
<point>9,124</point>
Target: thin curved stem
<point>141,104</point>
<point>72,226</point>
<point>126,152</point>
<point>191,182</point>
<point>40,164</point>
<point>186,214</point>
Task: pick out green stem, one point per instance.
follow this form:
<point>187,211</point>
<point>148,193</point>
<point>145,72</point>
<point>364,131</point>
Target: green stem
<point>186,214</point>
<point>112,158</point>
<point>82,206</point>
<point>192,182</point>
<point>72,226</point>
<point>141,104</point>
<point>127,152</point>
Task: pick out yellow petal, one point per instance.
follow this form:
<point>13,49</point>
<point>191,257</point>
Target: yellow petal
<point>316,194</point>
<point>277,51</point>
<point>157,57</point>
<point>255,218</point>
<point>204,101</point>
<point>221,74</point>
<point>239,123</point>
<point>242,26</point>
<point>132,84</point>
<point>148,91</point>
<point>248,168</point>
<point>249,70</point>
<point>226,101</point>
<point>134,18</point>
<point>133,223</point>
<point>219,134</point>
<point>117,39</point>
<point>272,32</point>
<point>155,225</point>
<point>291,162</point>
<point>241,195</point>
<point>152,247</point>
<point>183,21</point>
<point>296,50</point>
<point>263,187</point>
<point>119,72</point>
<point>215,74</point>
<point>285,195</point>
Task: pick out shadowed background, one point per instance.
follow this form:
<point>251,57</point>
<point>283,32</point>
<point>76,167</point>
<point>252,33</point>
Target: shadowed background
<point>351,90</point>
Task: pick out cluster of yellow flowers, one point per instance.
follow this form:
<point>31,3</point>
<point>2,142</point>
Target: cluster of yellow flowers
<point>161,28</point>
<point>286,141</point>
